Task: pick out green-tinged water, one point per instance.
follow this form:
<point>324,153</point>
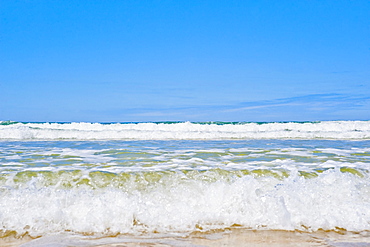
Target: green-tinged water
<point>114,187</point>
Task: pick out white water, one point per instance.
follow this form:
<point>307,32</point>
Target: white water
<point>330,201</point>
<point>50,184</point>
<point>186,130</point>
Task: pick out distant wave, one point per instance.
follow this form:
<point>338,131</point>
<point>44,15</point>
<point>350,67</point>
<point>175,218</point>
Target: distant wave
<point>346,130</point>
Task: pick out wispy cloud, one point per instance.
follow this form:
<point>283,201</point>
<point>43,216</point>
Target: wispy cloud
<point>150,114</point>
<point>306,107</point>
<point>258,107</point>
<point>301,108</point>
<point>311,101</point>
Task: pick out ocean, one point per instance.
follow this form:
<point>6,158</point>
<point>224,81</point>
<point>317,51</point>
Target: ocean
<point>185,184</point>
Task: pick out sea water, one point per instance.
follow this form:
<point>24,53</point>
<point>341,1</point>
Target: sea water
<point>100,180</point>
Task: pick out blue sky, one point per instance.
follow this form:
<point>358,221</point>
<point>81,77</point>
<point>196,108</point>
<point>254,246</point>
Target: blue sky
<point>122,61</point>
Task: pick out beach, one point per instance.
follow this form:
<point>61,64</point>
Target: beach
<point>184,123</point>
<point>229,237</point>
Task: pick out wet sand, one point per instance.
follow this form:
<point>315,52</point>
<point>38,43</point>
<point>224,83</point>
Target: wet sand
<point>230,237</point>
<point>242,237</point>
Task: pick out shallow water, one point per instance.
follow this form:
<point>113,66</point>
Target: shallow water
<point>118,187</point>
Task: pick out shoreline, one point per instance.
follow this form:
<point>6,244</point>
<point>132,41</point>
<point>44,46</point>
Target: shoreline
<point>226,237</point>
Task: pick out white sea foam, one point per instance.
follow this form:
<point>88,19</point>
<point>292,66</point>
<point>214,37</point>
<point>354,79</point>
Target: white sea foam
<point>108,187</point>
<point>174,204</point>
<point>186,130</point>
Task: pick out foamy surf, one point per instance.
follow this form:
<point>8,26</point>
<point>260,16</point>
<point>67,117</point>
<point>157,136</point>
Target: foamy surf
<point>82,192</point>
<point>175,202</point>
<point>185,131</point>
